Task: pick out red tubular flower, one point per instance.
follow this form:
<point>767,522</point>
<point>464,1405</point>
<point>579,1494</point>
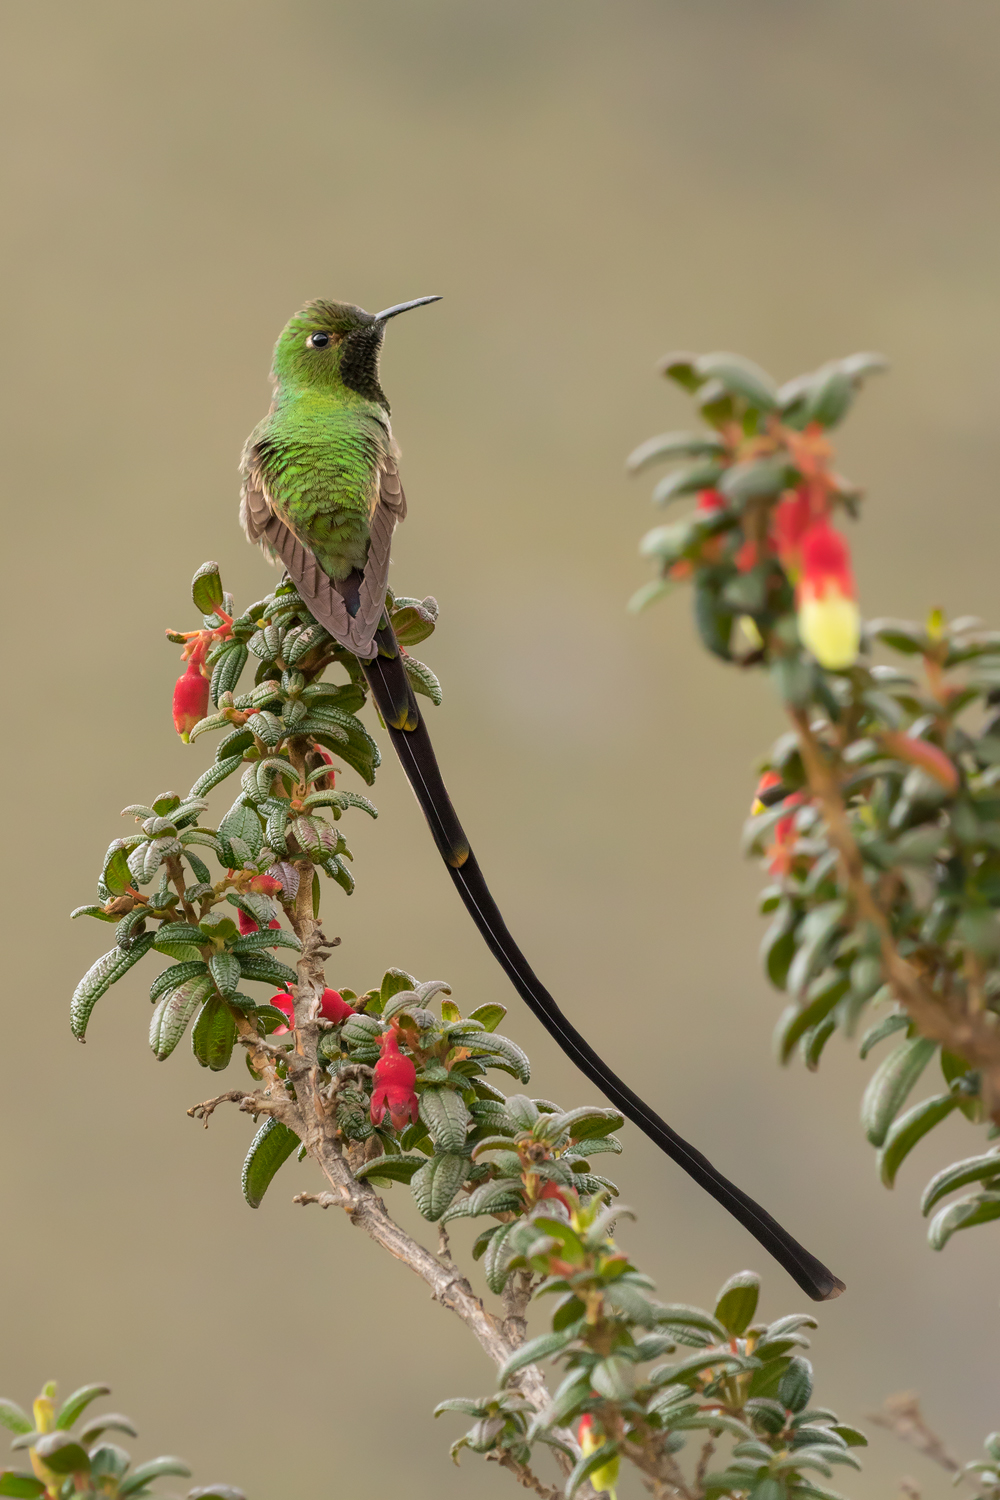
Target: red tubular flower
<point>286,1003</point>
<point>394,1079</point>
<point>190,700</point>
<point>828,614</point>
<point>333,1007</point>
<point>793,517</point>
<point>781,854</point>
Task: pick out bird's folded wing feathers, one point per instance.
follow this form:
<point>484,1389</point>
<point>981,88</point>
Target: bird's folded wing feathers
<point>320,595</point>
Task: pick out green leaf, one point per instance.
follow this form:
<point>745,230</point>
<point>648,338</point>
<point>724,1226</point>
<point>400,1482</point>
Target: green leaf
<point>172,1015</point>
<point>741,377</point>
<point>74,1406</point>
<point>262,967</point>
<point>960,1174</point>
<point>878,1033</point>
<point>830,395</point>
<point>436,1183</point>
<point>795,1020</point>
<point>500,1052</point>
<point>215,774</point>
<point>116,874</point>
<point>444,1113</point>
<point>714,623</point>
<point>99,978</point>
<point>688,1370</point>
<point>396,1168</point>
<point>489,1016</point>
<point>172,978</point>
<point>589,1123</point>
<point>673,445</point>
<point>225,970</point>
<point>737,1302</point>
<point>852,1437</point>
<point>214,1035</point>
<point>155,1469</point>
<point>107,1422</point>
<point>680,1315</point>
<point>530,1353</point>
<point>777,947</point>
<point>62,1454</point>
<point>796,1385</point>
<point>650,593</point>
<point>227,671</point>
<point>702,476</point>
<point>25,1486</point>
<point>964,1214</point>
<point>497,1257</point>
<point>270,1148</point>
<point>206,588</point>
<point>909,1129</point>
<point>14,1418</point>
<point>890,1084</point>
<point>758,479</point>
<point>422,679</point>
<point>815,935</point>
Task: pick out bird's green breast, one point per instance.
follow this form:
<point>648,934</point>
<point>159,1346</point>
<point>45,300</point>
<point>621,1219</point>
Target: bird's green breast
<point>320,458</point>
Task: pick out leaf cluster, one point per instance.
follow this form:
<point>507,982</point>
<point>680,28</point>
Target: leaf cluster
<point>71,1454</point>
<point>917,756</point>
<point>726,1378</point>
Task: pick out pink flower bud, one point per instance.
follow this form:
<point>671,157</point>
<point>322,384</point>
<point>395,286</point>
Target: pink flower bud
<point>190,700</point>
<point>393,1090</point>
<point>828,615</point>
<point>266,885</point>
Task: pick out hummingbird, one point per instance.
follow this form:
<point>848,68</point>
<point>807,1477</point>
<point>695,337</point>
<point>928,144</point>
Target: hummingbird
<point>322,495</point>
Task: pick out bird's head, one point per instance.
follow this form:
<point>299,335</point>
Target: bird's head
<point>330,345</point>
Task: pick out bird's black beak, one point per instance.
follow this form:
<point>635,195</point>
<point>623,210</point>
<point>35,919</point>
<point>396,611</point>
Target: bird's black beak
<point>391,312</point>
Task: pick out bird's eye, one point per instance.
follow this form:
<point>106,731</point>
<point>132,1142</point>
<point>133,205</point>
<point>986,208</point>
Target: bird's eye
<point>317,341</point>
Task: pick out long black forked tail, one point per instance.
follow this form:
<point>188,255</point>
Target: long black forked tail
<point>391,691</point>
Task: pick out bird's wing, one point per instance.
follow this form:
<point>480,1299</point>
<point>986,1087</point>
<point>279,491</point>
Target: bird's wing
<point>319,593</point>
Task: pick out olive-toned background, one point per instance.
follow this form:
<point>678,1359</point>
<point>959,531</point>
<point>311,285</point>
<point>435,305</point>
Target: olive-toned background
<point>588,184</point>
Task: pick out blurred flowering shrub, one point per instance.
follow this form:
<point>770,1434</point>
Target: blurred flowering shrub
<point>72,1455</point>
<point>878,814</point>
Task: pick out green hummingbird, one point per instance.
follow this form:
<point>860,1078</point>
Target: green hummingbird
<point>321,493</point>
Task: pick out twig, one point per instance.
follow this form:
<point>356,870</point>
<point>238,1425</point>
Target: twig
<point>901,1415</point>
<point>206,1109</point>
<point>524,1475</point>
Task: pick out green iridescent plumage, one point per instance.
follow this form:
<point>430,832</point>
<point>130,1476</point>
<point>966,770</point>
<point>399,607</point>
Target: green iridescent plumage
<point>321,447</point>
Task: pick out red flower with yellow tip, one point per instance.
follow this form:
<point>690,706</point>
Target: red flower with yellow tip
<point>591,1436</point>
<point>827,599</point>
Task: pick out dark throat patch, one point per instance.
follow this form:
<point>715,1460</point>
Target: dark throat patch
<point>359,357</point>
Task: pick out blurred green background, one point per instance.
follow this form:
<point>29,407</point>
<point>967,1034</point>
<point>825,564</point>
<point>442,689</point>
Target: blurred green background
<point>588,184</point>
